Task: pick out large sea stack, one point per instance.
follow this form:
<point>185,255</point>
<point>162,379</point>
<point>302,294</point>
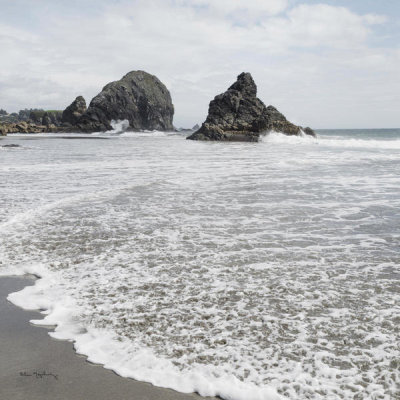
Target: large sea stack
<point>239,115</point>
<point>138,97</point>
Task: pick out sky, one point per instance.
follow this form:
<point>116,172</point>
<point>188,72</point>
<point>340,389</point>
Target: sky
<point>324,64</point>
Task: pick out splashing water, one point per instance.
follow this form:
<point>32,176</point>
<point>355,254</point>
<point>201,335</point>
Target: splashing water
<point>119,126</point>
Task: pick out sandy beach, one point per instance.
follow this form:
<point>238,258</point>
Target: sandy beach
<point>36,367</point>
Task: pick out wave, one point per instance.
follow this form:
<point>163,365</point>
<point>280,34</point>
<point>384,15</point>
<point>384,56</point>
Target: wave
<point>21,220</point>
<point>113,263</point>
<point>335,141</point>
<point>101,346</point>
<point>276,137</point>
<point>119,127</point>
<point>144,134</point>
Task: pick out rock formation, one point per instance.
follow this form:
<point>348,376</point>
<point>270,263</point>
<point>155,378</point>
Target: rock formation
<point>238,115</point>
<point>195,128</point>
<point>27,127</point>
<point>309,131</point>
<point>74,111</point>
<point>139,97</point>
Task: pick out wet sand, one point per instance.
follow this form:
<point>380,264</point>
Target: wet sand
<point>34,366</point>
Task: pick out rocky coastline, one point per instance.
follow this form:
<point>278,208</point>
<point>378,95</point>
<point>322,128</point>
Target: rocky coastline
<point>139,97</point>
<point>27,127</point>
<point>145,102</point>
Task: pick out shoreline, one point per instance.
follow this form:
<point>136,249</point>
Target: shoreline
<point>36,366</point>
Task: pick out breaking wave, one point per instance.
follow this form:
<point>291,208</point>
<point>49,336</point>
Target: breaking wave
<point>331,141</point>
<point>119,126</point>
<point>145,134</point>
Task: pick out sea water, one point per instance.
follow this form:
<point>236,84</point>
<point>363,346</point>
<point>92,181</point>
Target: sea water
<point>246,270</point>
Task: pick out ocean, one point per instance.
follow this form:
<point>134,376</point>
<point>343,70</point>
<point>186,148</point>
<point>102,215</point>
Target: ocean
<point>251,271</point>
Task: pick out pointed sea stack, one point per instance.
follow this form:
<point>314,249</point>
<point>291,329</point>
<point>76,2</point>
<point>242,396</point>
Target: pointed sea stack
<point>238,115</point>
<point>138,97</point>
<point>74,111</point>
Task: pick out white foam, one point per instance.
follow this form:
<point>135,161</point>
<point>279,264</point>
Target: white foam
<point>124,357</point>
<point>331,141</point>
<point>145,134</point>
<point>276,137</point>
<point>237,270</point>
<point>119,126</point>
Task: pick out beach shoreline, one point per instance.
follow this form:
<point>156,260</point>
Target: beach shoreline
<point>33,365</point>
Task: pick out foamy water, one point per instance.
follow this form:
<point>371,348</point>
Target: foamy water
<point>246,270</point>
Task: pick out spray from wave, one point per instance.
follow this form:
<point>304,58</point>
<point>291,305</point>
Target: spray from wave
<point>331,141</point>
<point>119,126</point>
<point>276,137</point>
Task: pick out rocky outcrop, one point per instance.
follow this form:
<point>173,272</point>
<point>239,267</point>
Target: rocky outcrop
<point>74,111</point>
<point>195,128</point>
<point>138,97</point>
<point>27,127</point>
<point>238,115</point>
<point>309,131</point>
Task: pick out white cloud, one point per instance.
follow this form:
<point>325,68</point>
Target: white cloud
<point>302,58</point>
<point>242,9</point>
<point>321,25</point>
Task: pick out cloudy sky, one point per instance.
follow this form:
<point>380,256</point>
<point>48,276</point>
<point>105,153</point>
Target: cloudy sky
<point>325,63</point>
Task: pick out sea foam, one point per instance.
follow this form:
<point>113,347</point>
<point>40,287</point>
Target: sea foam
<point>331,141</point>
<point>250,271</point>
